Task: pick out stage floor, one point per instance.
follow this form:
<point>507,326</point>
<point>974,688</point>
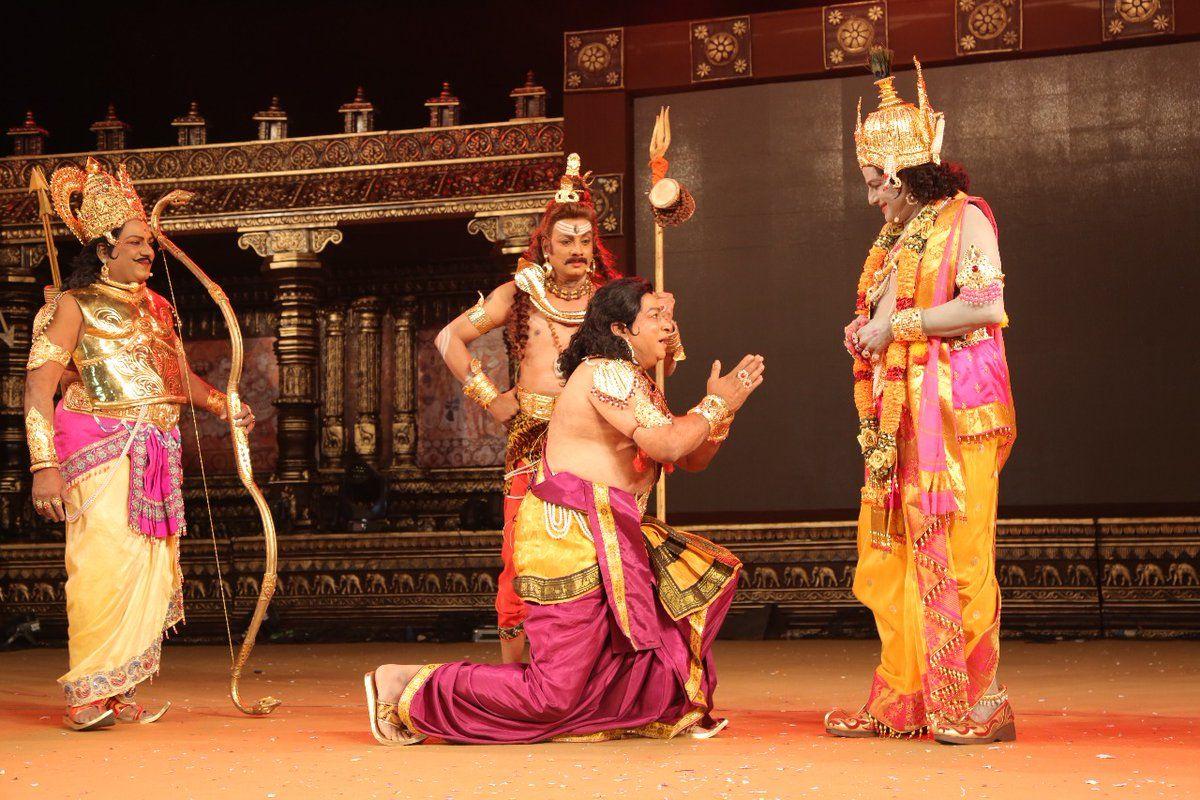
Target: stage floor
<point>1095,719</point>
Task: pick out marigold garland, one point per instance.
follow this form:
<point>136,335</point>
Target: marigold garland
<point>877,432</point>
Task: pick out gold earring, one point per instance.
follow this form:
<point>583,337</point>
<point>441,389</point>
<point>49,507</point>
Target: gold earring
<point>104,274</point>
<point>632,354</point>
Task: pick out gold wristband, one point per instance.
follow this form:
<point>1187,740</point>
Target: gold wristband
<point>720,431</point>
<point>43,350</point>
<point>908,326</point>
<point>39,435</point>
<point>675,349</point>
<point>715,411</point>
<point>478,386</point>
<point>216,401</point>
<point>479,318</point>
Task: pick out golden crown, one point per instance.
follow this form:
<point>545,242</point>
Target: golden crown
<point>570,184</point>
<point>108,202</point>
<point>898,135</point>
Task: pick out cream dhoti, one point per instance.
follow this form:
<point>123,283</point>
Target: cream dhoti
<point>123,588</point>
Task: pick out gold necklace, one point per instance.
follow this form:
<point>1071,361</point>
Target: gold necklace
<point>583,289</point>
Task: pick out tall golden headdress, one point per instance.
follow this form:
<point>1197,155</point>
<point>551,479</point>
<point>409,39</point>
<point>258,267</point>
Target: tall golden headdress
<point>108,201</point>
<point>898,135</point>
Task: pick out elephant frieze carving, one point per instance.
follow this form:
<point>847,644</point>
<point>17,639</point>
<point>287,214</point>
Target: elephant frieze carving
<point>1047,575</point>
<point>431,583</point>
<point>1117,575</point>
<point>824,576</point>
<point>403,582</point>
<point>376,584</point>
<point>325,585</point>
<point>766,578</point>
<point>795,576</point>
<point>457,582</point>
<point>1080,575</point>
<point>483,582</point>
<point>1150,575</point>
<point>1183,575</point>
<point>350,584</point>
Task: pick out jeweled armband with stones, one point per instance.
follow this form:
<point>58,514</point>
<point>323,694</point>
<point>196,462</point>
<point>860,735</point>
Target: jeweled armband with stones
<point>478,386</point>
<point>478,317</point>
<point>39,435</point>
<point>979,281</point>
<point>907,326</point>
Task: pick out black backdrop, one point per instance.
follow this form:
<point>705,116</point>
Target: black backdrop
<point>1091,164</point>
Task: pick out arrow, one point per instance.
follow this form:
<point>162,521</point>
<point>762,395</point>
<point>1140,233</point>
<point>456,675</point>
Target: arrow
<point>38,186</point>
<point>9,336</point>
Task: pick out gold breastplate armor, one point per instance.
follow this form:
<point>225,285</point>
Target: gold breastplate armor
<point>128,356</point>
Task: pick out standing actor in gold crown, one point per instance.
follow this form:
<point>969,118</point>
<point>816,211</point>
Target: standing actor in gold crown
<point>540,309</point>
<point>106,459</point>
<point>937,423</point>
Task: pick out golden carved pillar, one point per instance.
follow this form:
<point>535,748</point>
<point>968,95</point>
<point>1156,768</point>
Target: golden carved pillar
<point>404,385</point>
<point>290,262</point>
<point>20,297</point>
<point>333,385</point>
<point>366,315</point>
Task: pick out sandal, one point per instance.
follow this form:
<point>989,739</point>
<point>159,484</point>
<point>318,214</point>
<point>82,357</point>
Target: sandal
<point>102,720</point>
<point>698,731</point>
<point>381,713</point>
<point>126,711</point>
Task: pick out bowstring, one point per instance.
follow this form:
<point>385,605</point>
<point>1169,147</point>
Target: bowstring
<point>212,530</point>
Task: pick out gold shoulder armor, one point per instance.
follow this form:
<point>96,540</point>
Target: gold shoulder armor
<point>613,380</point>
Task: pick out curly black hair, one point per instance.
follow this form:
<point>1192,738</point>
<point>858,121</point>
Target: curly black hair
<point>617,301</point>
<point>930,182</point>
<point>85,267</point>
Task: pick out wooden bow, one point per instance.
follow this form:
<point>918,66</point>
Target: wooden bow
<point>241,450</point>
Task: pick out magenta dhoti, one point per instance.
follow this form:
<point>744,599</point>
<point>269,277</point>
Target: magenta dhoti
<point>623,612</point>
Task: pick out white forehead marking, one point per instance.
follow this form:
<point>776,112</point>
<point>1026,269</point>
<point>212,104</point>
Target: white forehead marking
<point>572,228</point>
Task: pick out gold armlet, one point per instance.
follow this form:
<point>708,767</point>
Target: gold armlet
<point>649,415</point>
<point>908,326</point>
<point>478,386</point>
<point>216,401</point>
<point>675,349</point>
<point>715,411</point>
<point>43,350</point>
<point>39,434</point>
<point>479,318</point>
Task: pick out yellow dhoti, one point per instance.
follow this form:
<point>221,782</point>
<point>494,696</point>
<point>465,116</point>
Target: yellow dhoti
<point>888,584</point>
<point>123,590</point>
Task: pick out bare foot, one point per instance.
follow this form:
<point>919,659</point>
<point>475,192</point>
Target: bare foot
<point>512,651</point>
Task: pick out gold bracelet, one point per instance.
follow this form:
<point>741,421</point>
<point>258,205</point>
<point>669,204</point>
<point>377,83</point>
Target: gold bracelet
<point>675,349</point>
<point>720,431</point>
<point>715,411</point>
<point>479,318</point>
<point>478,386</point>
<point>43,350</point>
<point>39,435</point>
<point>908,326</point>
<point>216,401</point>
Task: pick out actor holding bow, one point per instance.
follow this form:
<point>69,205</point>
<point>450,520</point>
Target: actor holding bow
<point>622,610</point>
<point>932,390</point>
<point>540,310</point>
<point>106,459</point>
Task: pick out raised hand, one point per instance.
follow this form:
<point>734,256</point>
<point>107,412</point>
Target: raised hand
<point>735,386</point>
